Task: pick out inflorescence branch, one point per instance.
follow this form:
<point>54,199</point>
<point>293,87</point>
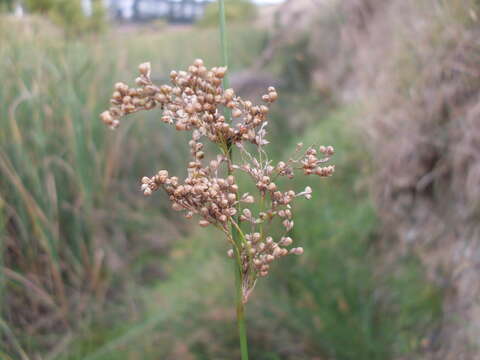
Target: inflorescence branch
<point>195,101</point>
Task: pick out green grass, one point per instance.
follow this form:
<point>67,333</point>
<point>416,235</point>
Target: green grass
<point>334,292</point>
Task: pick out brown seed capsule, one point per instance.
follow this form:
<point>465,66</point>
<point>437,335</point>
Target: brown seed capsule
<point>117,96</point>
<point>220,72</point>
<point>203,223</point>
<point>272,187</point>
<point>248,199</point>
<point>177,207</point>
<point>236,112</point>
<point>273,95</point>
<point>106,117</point>
<point>145,69</point>
<point>277,252</point>
<point>121,87</point>
<point>296,251</point>
<point>228,94</point>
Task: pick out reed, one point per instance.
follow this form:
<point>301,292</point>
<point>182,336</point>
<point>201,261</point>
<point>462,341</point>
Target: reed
<point>199,101</point>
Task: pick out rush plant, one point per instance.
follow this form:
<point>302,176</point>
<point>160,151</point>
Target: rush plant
<point>199,101</point>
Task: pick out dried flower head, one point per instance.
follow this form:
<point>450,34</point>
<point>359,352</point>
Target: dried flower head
<point>196,101</point>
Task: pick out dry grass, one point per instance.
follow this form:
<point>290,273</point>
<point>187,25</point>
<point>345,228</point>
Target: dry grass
<point>415,67</point>
<point>420,80</point>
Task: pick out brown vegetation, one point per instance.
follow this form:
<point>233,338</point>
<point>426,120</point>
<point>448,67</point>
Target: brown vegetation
<point>415,65</point>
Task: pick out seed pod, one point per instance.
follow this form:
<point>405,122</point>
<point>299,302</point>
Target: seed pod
<point>228,94</point>
<point>177,206</point>
<point>203,223</point>
<point>296,251</point>
<point>236,112</point>
<point>144,69</point>
<point>286,241</point>
<point>106,117</point>
<point>121,87</point>
<point>277,252</point>
<point>220,72</point>
<point>273,95</point>
<point>272,187</point>
<point>247,213</point>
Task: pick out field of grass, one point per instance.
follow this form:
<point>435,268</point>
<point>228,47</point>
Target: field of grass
<point>92,270</point>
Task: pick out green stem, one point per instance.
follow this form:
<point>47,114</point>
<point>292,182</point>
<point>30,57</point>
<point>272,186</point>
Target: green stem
<point>242,330</point>
<point>223,40</point>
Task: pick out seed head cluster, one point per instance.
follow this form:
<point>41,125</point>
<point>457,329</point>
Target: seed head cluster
<point>196,101</point>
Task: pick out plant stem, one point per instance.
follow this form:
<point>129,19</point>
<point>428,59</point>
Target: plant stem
<point>223,40</point>
<point>242,330</point>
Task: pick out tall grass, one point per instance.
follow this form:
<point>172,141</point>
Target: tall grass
<point>74,233</point>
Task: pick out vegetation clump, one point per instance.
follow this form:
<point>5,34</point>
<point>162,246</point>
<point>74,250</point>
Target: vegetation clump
<point>69,14</point>
<point>236,11</point>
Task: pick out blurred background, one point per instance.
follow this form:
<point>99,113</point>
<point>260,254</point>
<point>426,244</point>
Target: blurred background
<point>92,270</point>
